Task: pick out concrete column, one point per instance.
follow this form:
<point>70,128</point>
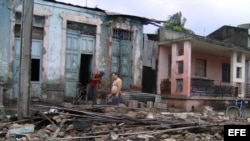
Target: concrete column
<point>186,75</point>
<point>241,64</point>
<point>2,111</point>
<point>187,67</point>
<point>173,69</point>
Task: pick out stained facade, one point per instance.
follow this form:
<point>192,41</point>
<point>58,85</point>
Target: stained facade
<point>68,44</point>
<point>195,70</point>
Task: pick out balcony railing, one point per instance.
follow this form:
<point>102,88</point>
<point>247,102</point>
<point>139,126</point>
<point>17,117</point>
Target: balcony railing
<point>214,88</point>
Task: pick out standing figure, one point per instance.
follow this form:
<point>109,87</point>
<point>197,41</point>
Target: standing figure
<point>93,84</point>
<point>116,89</point>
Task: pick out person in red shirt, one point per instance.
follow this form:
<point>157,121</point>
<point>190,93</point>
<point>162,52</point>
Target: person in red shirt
<point>93,84</point>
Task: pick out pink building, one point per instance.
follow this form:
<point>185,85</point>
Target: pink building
<point>194,71</point>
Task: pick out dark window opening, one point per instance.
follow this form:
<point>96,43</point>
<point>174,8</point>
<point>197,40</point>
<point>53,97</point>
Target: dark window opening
<point>238,72</point>
<point>179,67</point>
<point>37,32</point>
<point>200,67</point>
<point>169,65</point>
<point>35,70</point>
<point>179,85</point>
<point>225,72</point>
<point>121,34</point>
<point>180,49</point>
<point>82,28</point>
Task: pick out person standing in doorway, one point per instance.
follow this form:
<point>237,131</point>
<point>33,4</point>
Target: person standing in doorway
<point>116,89</point>
<point>95,82</point>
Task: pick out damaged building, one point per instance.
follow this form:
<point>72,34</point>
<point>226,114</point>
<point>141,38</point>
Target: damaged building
<point>69,43</point>
<point>194,71</point>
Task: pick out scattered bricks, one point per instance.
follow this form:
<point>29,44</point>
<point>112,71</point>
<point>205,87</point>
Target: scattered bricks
<point>61,134</point>
<point>141,114</point>
<point>149,104</point>
<point>131,114</point>
<point>145,137</point>
<point>169,139</point>
<point>57,118</point>
<point>109,110</point>
<point>133,104</point>
<point>141,105</point>
<point>70,127</point>
<point>164,136</point>
<point>35,139</point>
<point>157,105</point>
<point>51,127</point>
<point>68,138</point>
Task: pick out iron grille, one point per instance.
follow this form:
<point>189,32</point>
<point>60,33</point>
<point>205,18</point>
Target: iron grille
<point>121,34</point>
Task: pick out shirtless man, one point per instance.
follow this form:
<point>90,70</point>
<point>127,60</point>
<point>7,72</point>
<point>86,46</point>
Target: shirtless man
<point>116,89</point>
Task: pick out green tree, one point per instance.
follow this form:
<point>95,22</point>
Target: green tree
<point>177,23</point>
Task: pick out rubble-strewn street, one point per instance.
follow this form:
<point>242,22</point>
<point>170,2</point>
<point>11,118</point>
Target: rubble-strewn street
<point>104,123</point>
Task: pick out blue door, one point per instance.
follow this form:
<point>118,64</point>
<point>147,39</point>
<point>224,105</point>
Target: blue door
<point>36,56</point>
<point>121,61</point>
<point>76,46</point>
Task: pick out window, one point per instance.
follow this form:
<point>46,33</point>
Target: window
<point>180,49</point>
<point>200,67</point>
<point>121,34</point>
<point>179,67</point>
<point>226,72</point>
<point>81,28</point>
<point>37,29</point>
<point>179,85</point>
<point>238,72</point>
<point>35,70</point>
<point>169,65</point>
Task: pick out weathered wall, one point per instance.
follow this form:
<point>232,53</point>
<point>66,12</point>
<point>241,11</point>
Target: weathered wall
<point>213,64</point>
<point>54,42</point>
<point>4,40</point>
<point>234,35</point>
<point>169,34</point>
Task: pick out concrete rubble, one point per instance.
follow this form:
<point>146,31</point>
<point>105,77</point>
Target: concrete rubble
<point>105,123</point>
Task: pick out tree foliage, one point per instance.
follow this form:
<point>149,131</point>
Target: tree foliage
<point>177,23</point>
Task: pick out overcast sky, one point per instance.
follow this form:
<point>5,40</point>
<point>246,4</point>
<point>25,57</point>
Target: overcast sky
<point>203,16</point>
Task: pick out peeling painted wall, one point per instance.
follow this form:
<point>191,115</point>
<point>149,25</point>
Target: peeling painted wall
<point>54,41</point>
<point>4,40</point>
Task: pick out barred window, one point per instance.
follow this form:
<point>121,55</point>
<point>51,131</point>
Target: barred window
<point>200,67</point>
<point>121,34</point>
<point>179,85</point>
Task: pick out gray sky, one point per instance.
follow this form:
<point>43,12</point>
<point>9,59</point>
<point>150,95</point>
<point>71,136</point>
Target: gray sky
<point>203,16</point>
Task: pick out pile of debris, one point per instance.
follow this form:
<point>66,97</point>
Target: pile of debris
<point>105,122</point>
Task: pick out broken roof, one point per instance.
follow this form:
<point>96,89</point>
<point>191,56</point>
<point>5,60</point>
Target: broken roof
<point>144,20</point>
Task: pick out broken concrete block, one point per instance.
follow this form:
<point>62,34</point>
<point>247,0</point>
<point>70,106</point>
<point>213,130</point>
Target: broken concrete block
<point>61,134</point>
<point>164,136</point>
<point>67,105</point>
<point>145,137</point>
<point>17,129</point>
<point>113,136</point>
<point>121,105</point>
<point>141,114</point>
<point>150,115</point>
<point>131,114</point>
<point>109,110</point>
<point>41,134</point>
<point>51,127</point>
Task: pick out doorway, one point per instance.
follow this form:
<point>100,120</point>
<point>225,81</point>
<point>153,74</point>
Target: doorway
<point>85,69</point>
